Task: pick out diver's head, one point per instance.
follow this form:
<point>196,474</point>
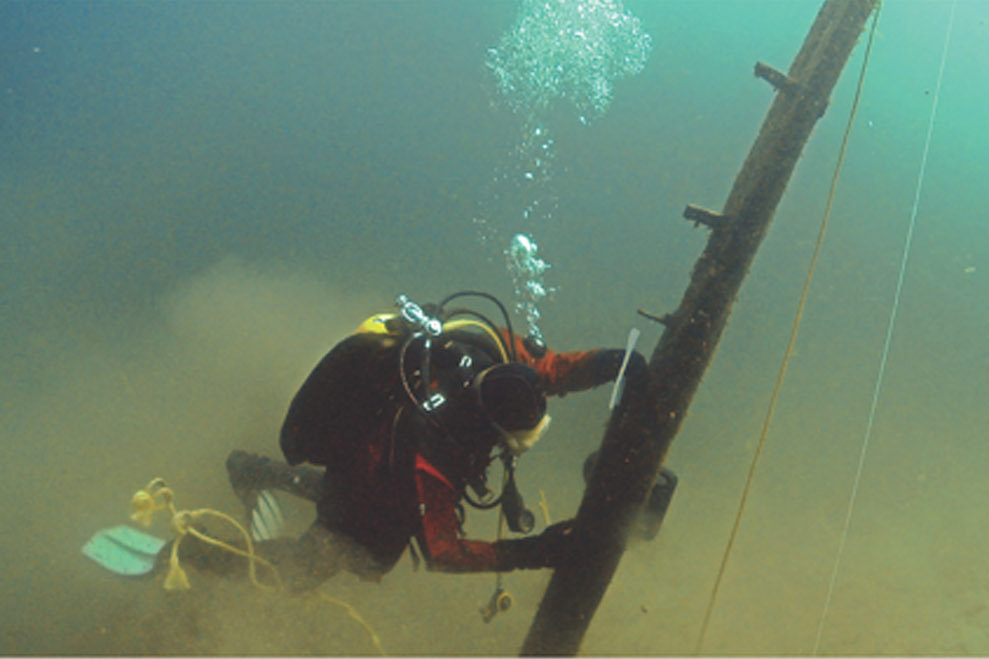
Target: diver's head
<point>486,402</point>
<point>458,369</point>
<point>510,397</point>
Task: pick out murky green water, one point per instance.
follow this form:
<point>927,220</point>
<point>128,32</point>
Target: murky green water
<point>198,199</point>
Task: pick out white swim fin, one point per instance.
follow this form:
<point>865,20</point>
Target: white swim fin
<point>267,521</point>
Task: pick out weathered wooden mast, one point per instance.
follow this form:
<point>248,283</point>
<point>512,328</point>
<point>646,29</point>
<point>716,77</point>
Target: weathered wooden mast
<point>639,434</point>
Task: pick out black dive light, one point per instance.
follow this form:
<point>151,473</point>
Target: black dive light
<point>650,518</point>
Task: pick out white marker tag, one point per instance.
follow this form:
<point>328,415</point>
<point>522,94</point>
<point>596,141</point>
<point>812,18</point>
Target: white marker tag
<point>633,336</point>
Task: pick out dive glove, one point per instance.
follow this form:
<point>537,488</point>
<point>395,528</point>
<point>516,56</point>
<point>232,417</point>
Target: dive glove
<point>547,549</point>
<point>605,365</point>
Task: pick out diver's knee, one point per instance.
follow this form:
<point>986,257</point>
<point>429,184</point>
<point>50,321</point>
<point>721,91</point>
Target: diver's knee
<point>237,461</point>
<point>248,470</point>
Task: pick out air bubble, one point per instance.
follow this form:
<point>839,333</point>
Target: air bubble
<point>573,49</point>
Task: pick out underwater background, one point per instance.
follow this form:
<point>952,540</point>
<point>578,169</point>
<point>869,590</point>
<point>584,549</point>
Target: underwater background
<point>198,199</point>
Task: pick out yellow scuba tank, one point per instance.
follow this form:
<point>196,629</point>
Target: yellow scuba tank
<point>381,323</point>
<point>392,324</point>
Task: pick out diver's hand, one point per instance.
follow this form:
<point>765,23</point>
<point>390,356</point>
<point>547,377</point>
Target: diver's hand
<point>548,549</point>
<point>606,363</point>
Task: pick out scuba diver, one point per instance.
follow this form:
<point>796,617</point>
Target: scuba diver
<point>394,428</point>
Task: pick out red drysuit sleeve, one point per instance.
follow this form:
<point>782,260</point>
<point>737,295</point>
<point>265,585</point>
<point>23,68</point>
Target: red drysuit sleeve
<point>563,372</point>
<point>440,537</point>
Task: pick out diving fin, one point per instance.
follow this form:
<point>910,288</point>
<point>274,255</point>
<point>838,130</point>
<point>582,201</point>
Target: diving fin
<point>124,550</point>
<point>266,516</point>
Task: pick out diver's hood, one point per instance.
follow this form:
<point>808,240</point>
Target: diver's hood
<point>511,398</point>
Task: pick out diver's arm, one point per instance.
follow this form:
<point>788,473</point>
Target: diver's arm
<point>439,540</point>
<point>446,551</point>
<point>565,372</point>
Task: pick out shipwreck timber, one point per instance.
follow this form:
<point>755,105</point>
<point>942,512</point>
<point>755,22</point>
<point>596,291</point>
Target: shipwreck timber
<point>639,434</point>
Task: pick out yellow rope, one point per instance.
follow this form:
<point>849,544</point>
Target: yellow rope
<point>501,529</point>
<point>793,339</point>
<point>352,612</point>
<point>158,496</point>
<point>249,554</point>
<point>544,506</point>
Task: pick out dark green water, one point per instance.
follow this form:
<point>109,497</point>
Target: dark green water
<point>198,199</point>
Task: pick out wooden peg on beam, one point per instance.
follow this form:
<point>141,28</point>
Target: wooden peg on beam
<point>776,78</point>
<point>663,319</point>
<point>700,215</point>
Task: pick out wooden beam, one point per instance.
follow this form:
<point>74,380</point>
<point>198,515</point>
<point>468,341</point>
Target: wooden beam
<point>642,428</point>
